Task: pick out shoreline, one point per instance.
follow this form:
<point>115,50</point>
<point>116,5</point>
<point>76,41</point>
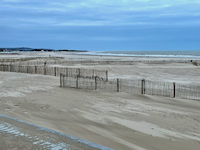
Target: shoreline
<point>142,57</point>
<point>197,57</point>
<point>101,55</point>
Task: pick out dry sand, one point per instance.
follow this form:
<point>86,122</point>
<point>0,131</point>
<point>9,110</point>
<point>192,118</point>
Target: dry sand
<point>118,120</point>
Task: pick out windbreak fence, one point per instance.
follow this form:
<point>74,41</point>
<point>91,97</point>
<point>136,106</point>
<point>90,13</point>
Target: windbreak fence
<point>166,89</point>
<point>187,91</point>
<point>130,86</point>
<point>62,61</point>
<point>159,88</point>
<point>56,71</point>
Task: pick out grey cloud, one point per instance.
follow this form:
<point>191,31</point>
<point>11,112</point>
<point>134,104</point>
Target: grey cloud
<point>92,24</point>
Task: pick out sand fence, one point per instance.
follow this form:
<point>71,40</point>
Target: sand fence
<point>62,61</point>
<point>167,89</point>
<point>56,71</point>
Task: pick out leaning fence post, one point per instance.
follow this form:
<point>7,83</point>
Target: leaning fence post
<point>117,85</point>
<point>143,86</point>
<point>106,75</point>
<point>95,82</point>
<point>174,89</point>
<point>77,82</point>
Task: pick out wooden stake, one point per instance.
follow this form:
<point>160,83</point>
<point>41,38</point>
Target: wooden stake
<point>106,75</point>
<point>60,80</point>
<point>117,85</point>
<point>95,83</point>
<point>55,71</point>
<point>77,82</point>
<point>143,86</point>
<point>63,83</point>
<point>142,90</point>
<point>67,72</point>
<point>174,89</point>
<point>35,69</point>
<point>79,72</point>
<point>45,70</point>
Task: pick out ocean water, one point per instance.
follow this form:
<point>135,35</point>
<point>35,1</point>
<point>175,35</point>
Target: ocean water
<point>188,54</point>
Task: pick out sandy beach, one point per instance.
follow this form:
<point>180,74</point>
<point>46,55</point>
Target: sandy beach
<point>122,121</point>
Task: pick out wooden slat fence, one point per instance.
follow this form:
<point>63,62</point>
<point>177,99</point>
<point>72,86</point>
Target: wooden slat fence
<point>167,89</point>
<point>56,71</point>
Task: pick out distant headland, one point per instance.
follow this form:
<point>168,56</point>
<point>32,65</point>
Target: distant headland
<point>15,49</point>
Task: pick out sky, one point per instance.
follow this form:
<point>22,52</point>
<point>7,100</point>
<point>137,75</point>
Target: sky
<point>101,25</point>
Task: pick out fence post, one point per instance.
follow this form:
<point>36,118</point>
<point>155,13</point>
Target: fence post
<point>63,82</point>
<point>27,69</point>
<point>106,75</point>
<point>142,87</point>
<point>44,69</point>
<point>35,69</point>
<point>93,74</point>
<point>77,82</point>
<point>117,85</point>
<point>174,89</point>
<point>60,80</point>
<point>55,71</point>
<point>67,72</point>
<point>79,72</point>
<point>95,82</point>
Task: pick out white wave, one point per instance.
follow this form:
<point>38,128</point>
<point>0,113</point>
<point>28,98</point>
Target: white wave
<point>136,55</point>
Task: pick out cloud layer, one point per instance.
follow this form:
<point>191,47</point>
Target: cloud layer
<point>68,23</point>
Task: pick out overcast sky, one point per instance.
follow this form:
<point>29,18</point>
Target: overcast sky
<point>101,25</point>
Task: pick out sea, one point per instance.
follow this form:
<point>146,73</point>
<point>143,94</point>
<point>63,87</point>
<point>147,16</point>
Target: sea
<point>185,54</point>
